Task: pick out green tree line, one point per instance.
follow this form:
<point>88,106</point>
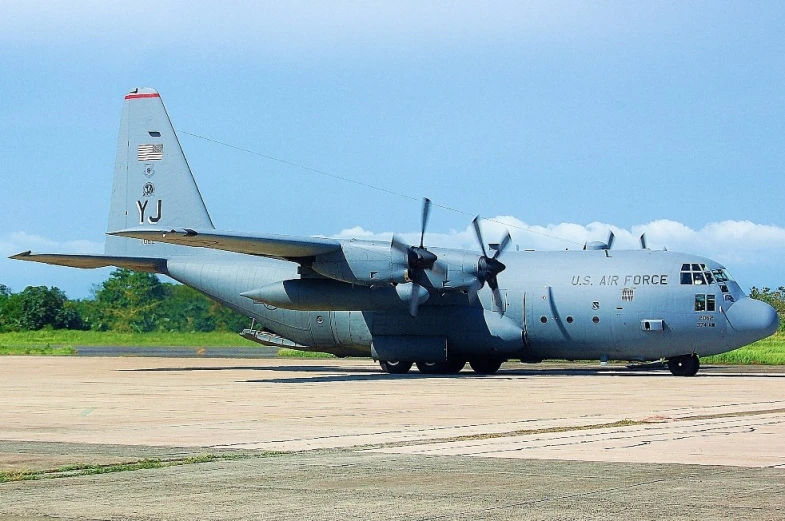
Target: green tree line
<point>127,301</point>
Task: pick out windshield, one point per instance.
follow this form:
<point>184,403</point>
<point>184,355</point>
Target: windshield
<point>721,275</point>
<point>698,273</point>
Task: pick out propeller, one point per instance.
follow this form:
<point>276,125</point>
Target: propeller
<point>418,260</point>
<point>488,267</point>
<point>643,242</point>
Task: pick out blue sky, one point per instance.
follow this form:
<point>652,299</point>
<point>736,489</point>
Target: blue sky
<point>565,118</point>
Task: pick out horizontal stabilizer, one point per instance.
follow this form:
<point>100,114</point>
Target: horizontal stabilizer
<point>275,246</point>
<point>95,261</point>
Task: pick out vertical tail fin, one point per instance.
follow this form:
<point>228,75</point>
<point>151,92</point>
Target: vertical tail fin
<point>153,184</point>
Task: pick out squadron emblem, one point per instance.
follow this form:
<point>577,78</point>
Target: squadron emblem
<point>149,169</point>
<point>148,189</point>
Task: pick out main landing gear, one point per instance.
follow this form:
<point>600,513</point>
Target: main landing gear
<point>452,366</point>
<point>395,367</point>
<point>486,365</point>
<point>686,365</point>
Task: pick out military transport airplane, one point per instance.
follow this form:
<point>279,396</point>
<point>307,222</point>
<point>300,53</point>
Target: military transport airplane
<point>405,304</point>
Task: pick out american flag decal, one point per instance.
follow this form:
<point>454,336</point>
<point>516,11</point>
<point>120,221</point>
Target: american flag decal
<point>149,152</point>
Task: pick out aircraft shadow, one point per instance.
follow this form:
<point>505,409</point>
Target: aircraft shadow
<point>367,377</point>
<point>292,368</point>
<point>357,374</point>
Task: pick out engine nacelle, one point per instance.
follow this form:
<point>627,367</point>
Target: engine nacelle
<point>370,263</point>
<point>320,294</point>
<point>364,262</point>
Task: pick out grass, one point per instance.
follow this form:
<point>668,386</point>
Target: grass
<point>64,342</point>
<point>69,338</point>
<point>69,471</point>
<point>769,351</point>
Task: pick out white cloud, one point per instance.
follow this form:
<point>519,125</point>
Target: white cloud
<point>728,242</point>
<point>17,242</point>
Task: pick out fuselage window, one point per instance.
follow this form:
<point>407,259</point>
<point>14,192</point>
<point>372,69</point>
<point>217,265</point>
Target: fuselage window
<point>705,302</point>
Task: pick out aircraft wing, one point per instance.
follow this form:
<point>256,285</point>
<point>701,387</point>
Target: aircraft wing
<point>95,261</point>
<point>274,246</point>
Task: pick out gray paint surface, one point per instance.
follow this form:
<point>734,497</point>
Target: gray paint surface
<point>338,295</point>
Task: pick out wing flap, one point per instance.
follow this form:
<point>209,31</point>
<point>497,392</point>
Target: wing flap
<point>149,265</point>
<point>275,246</point>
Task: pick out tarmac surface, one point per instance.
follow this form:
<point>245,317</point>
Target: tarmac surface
<point>337,439</point>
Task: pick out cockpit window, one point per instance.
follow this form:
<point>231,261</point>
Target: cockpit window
<point>698,274</point>
<point>721,275</point>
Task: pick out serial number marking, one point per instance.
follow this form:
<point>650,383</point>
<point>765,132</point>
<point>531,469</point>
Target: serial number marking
<point>705,321</point>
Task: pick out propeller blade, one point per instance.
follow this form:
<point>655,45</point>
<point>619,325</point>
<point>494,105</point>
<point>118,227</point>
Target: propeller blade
<point>414,301</point>
<point>503,245</point>
<point>472,290</point>
<point>493,283</point>
<point>426,212</point>
<point>417,296</point>
<point>611,238</point>
<point>497,300</point>
<point>398,244</point>
<point>439,269</point>
<point>643,242</point>
<point>478,233</point>
<point>413,294</point>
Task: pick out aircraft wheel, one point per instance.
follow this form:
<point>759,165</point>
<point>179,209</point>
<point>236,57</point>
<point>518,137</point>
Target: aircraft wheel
<point>428,367</point>
<point>454,366</point>
<point>395,366</point>
<point>485,366</point>
<point>686,365</point>
<point>448,367</point>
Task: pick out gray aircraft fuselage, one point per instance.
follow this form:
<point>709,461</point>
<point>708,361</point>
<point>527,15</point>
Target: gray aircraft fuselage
<point>402,304</point>
<point>575,305</point>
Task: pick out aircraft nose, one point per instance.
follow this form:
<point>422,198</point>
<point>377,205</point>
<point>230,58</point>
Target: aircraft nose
<point>753,318</point>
